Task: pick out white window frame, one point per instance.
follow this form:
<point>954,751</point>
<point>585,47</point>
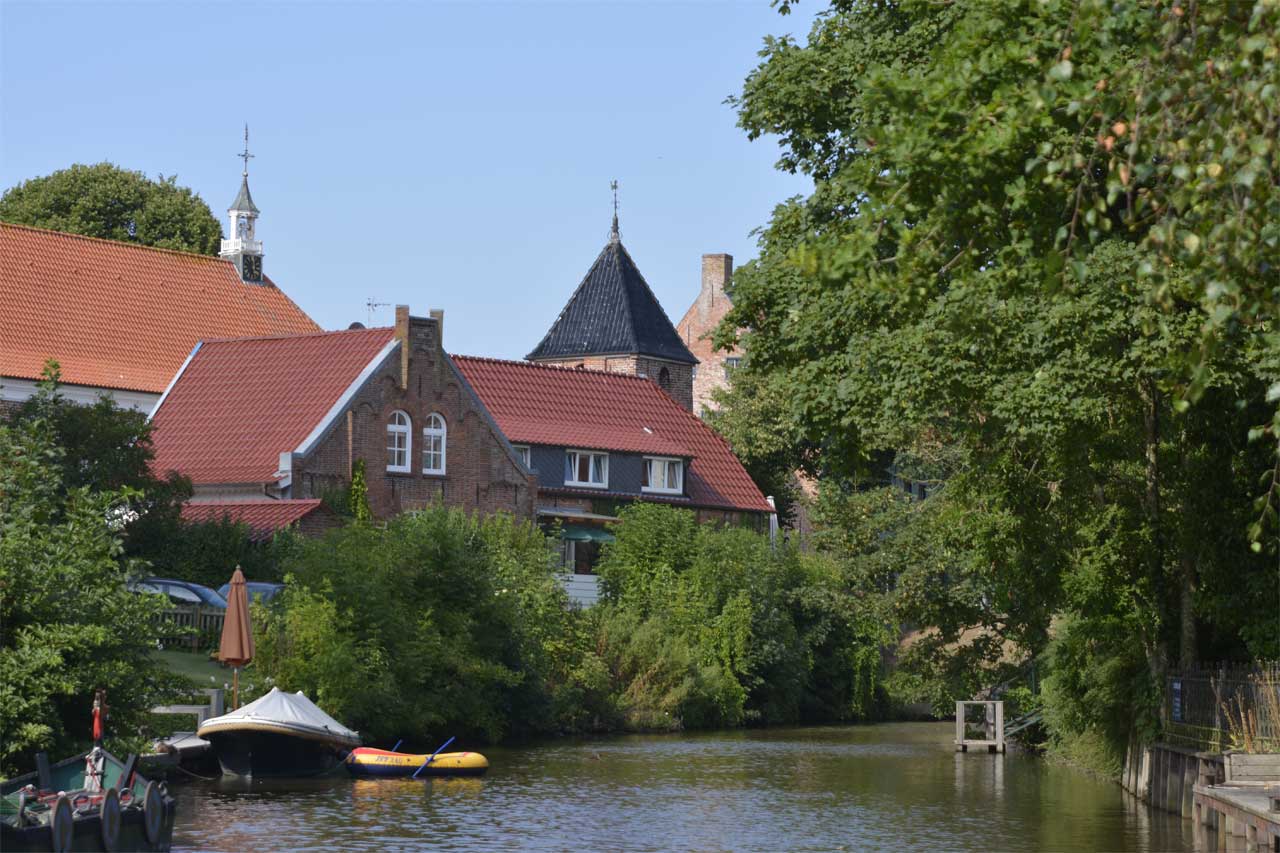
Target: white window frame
<point>526,456</point>
<point>590,466</point>
<point>394,430</point>
<point>430,433</point>
<point>664,460</point>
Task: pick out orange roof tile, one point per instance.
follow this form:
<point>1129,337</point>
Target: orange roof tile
<point>239,404</point>
<point>263,518</point>
<point>116,315</point>
<point>542,404</point>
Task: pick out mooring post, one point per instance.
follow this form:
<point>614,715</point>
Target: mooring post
<point>960,726</point>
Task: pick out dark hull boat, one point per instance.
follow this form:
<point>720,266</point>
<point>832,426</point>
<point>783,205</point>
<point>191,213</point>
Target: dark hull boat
<point>268,753</point>
<point>279,734</point>
<point>91,801</point>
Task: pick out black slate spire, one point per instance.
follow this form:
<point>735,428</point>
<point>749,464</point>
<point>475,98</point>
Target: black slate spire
<point>613,312</point>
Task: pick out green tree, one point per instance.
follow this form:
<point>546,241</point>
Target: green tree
<point>974,279</point>
<point>68,625</point>
<point>104,200</point>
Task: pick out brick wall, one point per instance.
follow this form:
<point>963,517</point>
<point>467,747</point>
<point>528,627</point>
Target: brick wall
<point>700,322</point>
<point>679,376</point>
<point>481,474</point>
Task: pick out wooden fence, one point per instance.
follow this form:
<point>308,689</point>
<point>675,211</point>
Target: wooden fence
<point>192,626</point>
<point>1204,705</point>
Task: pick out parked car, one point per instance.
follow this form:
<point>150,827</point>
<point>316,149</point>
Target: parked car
<point>181,593</point>
<point>258,590</point>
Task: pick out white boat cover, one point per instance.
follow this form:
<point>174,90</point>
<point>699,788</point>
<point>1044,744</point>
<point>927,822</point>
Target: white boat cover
<point>287,713</point>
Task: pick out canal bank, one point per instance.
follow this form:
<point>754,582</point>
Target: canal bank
<point>875,787</point>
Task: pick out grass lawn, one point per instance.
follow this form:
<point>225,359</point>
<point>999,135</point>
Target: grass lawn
<point>195,666</point>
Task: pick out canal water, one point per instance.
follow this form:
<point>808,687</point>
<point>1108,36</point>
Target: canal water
<point>885,787</point>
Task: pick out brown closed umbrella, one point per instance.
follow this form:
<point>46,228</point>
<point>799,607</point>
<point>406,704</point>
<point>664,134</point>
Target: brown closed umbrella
<point>236,647</point>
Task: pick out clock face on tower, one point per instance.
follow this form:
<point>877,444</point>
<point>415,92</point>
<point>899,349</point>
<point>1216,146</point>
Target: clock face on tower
<point>251,267</point>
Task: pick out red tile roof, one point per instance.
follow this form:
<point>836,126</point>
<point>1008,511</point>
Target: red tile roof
<point>538,404</point>
<point>116,315</point>
<point>263,518</point>
<point>241,403</point>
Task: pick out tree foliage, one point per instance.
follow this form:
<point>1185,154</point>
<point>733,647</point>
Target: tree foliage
<point>104,200</point>
<point>1041,252</point>
<point>68,626</point>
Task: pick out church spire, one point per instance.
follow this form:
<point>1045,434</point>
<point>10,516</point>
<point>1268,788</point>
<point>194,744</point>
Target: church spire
<point>613,232</point>
<point>241,247</point>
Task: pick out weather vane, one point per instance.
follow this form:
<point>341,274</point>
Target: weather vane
<point>246,156</point>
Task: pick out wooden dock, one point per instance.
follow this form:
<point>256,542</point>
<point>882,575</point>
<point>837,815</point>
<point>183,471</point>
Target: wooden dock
<point>992,726</point>
<point>1241,817</point>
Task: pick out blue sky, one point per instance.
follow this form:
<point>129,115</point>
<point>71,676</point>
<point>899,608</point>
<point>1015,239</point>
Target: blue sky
<point>453,156</point>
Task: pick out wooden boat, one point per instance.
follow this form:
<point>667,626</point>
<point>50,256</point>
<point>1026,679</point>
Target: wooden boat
<point>91,801</point>
<point>279,734</point>
<point>367,761</point>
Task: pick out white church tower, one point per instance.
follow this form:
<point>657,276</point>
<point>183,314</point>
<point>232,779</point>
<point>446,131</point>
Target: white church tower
<point>242,248</point>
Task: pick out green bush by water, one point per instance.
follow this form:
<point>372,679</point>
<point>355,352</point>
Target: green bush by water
<point>441,623</point>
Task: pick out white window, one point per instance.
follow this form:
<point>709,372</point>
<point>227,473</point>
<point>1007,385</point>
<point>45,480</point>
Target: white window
<point>662,474</point>
<point>731,364</point>
<point>399,442</point>
<point>522,450</point>
<point>433,444</point>
<point>584,468</point>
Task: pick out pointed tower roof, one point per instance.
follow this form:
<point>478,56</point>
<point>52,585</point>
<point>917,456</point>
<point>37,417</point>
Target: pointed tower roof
<point>244,201</point>
<point>613,312</point>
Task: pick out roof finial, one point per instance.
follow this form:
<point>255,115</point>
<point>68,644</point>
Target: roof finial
<point>246,156</point>
<point>613,233</point>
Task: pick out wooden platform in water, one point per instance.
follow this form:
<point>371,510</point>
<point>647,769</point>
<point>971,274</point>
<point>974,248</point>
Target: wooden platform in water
<point>1238,813</point>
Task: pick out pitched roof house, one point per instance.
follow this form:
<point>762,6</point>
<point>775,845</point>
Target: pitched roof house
<point>120,318</point>
<point>596,440</point>
<point>613,322</point>
<point>286,418</point>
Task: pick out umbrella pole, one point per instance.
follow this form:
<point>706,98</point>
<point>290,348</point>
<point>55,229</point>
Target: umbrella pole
<point>235,688</point>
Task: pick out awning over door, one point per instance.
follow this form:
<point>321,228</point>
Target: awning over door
<point>585,533</point>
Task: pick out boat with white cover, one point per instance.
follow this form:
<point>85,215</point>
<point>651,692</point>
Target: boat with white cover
<point>278,734</point>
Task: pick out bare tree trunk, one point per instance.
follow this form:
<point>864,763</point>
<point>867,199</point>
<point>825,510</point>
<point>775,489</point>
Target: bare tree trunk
<point>1187,646</point>
<point>1157,653</point>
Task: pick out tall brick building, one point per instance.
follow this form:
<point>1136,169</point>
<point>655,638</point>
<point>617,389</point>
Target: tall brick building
<point>613,322</point>
<point>286,418</point>
<point>700,322</point>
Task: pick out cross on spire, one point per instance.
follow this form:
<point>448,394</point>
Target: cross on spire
<point>613,233</point>
<point>246,156</point>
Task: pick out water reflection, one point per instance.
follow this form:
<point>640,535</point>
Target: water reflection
<point>889,787</point>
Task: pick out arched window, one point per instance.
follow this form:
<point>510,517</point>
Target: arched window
<point>664,379</point>
<point>399,442</point>
<point>433,445</point>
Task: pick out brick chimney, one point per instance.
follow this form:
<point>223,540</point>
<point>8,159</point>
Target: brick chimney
<point>717,271</point>
<point>402,335</point>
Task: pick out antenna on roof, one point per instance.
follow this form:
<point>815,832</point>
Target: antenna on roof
<point>613,233</point>
<point>373,305</point>
<point>245,156</point>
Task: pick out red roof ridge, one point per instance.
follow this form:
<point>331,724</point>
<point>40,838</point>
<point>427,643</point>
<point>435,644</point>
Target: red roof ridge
<point>72,235</point>
<point>293,335</point>
<point>590,371</point>
<point>253,501</point>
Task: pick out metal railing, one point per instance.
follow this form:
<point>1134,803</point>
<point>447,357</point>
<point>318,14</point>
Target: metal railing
<point>1224,707</point>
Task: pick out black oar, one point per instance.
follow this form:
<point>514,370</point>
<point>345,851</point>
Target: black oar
<point>431,758</point>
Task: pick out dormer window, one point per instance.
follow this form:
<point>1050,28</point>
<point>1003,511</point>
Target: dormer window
<point>433,444</point>
<point>662,474</point>
<point>399,442</point>
<point>585,468</point>
<point>522,450</point>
